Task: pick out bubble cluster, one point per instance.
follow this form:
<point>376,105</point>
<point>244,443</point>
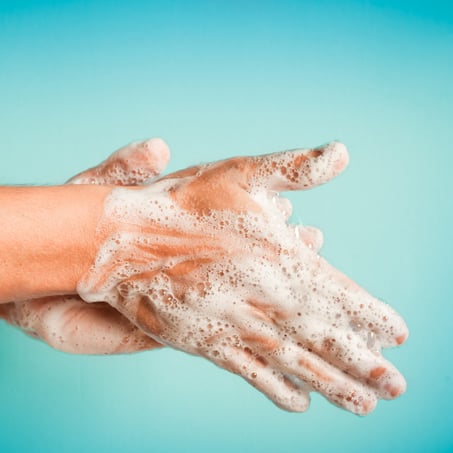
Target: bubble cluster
<point>60,322</point>
<point>130,165</point>
<point>243,288</point>
<point>68,323</point>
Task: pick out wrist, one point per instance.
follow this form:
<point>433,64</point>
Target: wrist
<point>48,238</point>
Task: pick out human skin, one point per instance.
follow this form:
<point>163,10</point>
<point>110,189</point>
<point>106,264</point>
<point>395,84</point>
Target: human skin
<point>69,324</point>
<point>223,276</point>
<point>204,261</point>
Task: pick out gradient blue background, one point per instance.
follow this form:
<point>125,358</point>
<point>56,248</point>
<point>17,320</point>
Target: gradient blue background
<point>78,79</point>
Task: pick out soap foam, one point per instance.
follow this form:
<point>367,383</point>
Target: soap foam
<point>222,282</point>
<point>130,165</point>
<point>70,325</point>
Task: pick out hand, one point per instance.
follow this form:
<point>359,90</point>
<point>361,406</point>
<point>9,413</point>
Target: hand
<point>67,322</point>
<point>204,261</point>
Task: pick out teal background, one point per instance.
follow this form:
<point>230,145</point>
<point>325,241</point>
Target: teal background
<point>79,79</point>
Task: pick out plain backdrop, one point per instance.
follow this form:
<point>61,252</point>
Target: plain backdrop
<point>79,79</point>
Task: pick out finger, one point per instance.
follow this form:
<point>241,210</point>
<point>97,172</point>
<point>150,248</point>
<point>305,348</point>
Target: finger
<point>285,355</point>
<point>283,205</point>
<point>312,237</point>
<point>355,308</point>
<point>338,387</point>
<point>275,385</point>
<point>339,346</point>
<point>71,325</point>
<point>14,314</point>
<point>350,353</point>
<point>133,164</point>
<point>298,169</point>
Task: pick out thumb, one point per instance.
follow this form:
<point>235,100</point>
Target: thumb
<point>131,165</point>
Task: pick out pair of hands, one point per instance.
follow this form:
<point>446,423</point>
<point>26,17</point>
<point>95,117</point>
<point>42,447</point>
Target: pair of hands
<point>69,324</point>
<point>204,261</point>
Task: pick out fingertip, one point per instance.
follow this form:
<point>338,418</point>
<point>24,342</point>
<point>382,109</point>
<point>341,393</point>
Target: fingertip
<point>151,154</point>
<point>403,334</point>
<point>361,405</point>
<point>299,401</point>
<point>398,331</point>
<point>367,406</point>
<point>338,153</point>
<point>159,151</point>
<point>388,381</point>
<point>312,237</point>
<point>301,169</point>
<point>137,162</point>
<point>394,390</point>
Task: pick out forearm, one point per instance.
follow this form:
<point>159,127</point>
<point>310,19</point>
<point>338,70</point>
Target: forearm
<point>48,238</point>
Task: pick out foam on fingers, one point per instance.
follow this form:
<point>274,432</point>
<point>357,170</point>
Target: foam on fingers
<point>356,308</point>
<point>300,169</point>
<point>150,156</point>
<point>355,355</point>
<point>333,384</point>
<point>132,164</point>
<point>69,324</point>
<point>196,269</point>
<point>312,237</point>
<point>274,384</point>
